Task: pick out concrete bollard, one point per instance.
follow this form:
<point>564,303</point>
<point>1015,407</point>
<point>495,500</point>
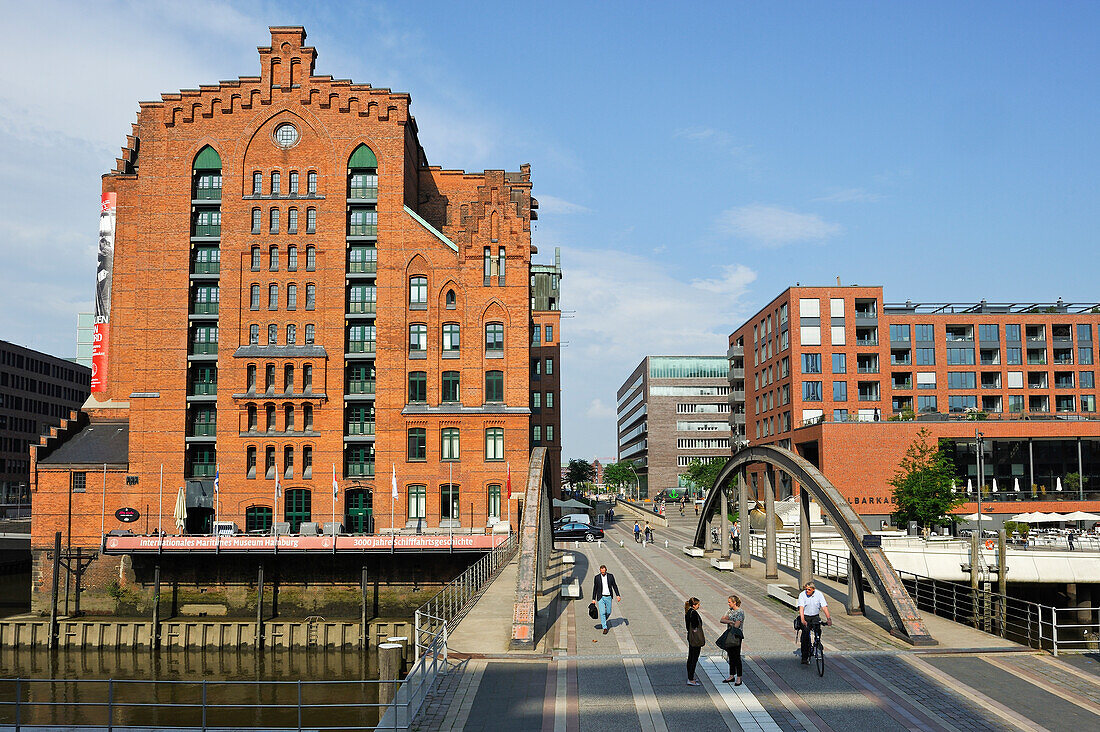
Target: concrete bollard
<point>404,643</point>
<point>666,543</point>
<point>389,670</point>
<point>621,544</point>
<point>600,542</point>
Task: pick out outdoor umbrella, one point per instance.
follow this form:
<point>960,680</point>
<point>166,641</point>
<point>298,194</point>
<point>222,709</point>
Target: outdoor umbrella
<point>1081,516</point>
<point>969,488</point>
<point>1058,484</point>
<point>571,504</point>
<point>1045,518</point>
<point>953,489</point>
<point>1016,485</point>
<point>994,485</point>
<point>1025,517</point>
<point>976,517</point>
<point>180,512</point>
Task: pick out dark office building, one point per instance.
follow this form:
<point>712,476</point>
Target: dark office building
<point>36,392</point>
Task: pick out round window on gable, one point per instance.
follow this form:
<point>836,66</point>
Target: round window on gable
<point>286,136</point>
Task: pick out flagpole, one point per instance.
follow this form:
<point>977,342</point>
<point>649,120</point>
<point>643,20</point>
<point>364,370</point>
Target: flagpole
<point>103,508</point>
<point>160,509</point>
<point>334,508</point>
<point>509,498</point>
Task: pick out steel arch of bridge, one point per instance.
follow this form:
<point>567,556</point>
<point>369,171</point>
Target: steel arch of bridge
<point>873,562</point>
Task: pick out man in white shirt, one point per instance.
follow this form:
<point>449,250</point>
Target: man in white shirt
<point>811,604</point>
<point>604,588</point>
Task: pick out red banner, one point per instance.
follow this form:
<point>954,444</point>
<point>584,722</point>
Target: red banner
<point>184,544</point>
<point>104,274</point>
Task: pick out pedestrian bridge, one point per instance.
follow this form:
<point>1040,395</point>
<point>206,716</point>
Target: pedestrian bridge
<point>868,562</point>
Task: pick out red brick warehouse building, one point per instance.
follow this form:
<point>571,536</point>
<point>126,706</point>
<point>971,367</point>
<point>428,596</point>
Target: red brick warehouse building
<point>295,292</point>
<point>847,380</point>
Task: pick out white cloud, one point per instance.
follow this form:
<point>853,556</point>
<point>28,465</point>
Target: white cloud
<point>619,307</point>
<point>850,195</point>
<point>554,205</point>
<point>713,137</point>
<point>773,226</point>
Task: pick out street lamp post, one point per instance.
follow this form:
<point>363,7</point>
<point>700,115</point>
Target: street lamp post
<point>978,440</point>
<point>637,482</point>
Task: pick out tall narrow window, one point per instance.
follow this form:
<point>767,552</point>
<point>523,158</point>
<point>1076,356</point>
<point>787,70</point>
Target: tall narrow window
<point>269,462</point>
<point>253,335</point>
<point>257,220</point>
<point>273,259</point>
<point>494,386</point>
<point>549,366</point>
<point>451,337</point>
<point>288,378</point>
<point>448,505</point>
<point>250,462</point>
<point>274,221</point>
<point>251,377</point>
<point>275,178</point>
<point>272,334</point>
<point>307,416</point>
<point>488,266</point>
<point>269,378</point>
<point>311,221</point>
<point>292,258</point>
<point>493,508</point>
<point>291,335</point>
<point>418,504</point>
<point>273,297</point>
<point>451,299</point>
<point>254,302</point>
<point>270,410</point>
<point>311,259</point>
<point>418,338</point>
<point>311,182</point>
<point>418,293</point>
<point>307,377</point>
<point>418,444</point>
<point>494,443</point>
<point>288,418</point>
<point>494,337</point>
<point>294,182</point>
<point>255,259</point>
<point>311,297</point>
<point>257,184</point>
<point>500,267</point>
<point>309,334</point>
<point>450,391</point>
<point>292,221</point>
<point>449,443</point>
<point>291,297</point>
<point>418,386</point>
<point>307,460</point>
<point>297,508</point>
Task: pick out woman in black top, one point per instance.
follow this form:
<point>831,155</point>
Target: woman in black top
<point>695,637</point>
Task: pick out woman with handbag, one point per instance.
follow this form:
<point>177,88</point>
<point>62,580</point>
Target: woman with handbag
<point>733,636</point>
<point>694,637</point>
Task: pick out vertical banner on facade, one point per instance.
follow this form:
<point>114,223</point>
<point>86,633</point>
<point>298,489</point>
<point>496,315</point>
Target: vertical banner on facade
<point>104,270</point>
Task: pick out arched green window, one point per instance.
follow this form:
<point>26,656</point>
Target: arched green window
<point>297,508</point>
<point>208,175</point>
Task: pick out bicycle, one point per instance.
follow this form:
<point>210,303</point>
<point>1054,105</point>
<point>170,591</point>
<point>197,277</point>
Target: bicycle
<point>819,650</point>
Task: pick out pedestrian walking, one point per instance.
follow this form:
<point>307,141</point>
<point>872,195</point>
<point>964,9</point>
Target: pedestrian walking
<point>735,535</point>
<point>696,504</point>
<point>637,533</point>
<point>603,589</point>
<point>734,635</point>
<point>648,533</point>
<point>1069,539</point>
<point>695,638</point>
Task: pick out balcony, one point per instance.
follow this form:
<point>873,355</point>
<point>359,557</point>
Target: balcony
<point>204,388</point>
<point>361,387</point>
<point>203,429</point>
<point>736,373</point>
<point>360,469</point>
<point>359,428</point>
<point>203,349</point>
<point>362,308</point>
<point>363,193</point>
<point>206,195</point>
<point>361,347</point>
<point>204,308</point>
<point>735,352</point>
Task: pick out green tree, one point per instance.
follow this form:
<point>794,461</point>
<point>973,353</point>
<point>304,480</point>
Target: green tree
<point>922,484</point>
<point>580,471</point>
<point>703,475</point>
<point>619,474</point>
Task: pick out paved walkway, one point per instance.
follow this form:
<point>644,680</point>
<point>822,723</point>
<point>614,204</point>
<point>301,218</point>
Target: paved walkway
<point>634,677</point>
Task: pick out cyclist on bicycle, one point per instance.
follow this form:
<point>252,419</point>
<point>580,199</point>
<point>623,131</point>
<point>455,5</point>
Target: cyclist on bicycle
<point>811,604</point>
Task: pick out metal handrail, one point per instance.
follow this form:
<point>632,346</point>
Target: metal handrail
<point>448,606</point>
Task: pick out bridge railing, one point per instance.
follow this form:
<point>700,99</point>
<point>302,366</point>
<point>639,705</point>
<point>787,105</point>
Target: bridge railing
<point>1044,627</point>
<point>448,606</point>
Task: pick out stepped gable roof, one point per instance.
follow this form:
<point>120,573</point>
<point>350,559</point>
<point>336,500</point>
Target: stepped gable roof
<point>96,444</point>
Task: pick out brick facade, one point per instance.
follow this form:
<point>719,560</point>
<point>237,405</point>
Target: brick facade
<point>847,380</point>
<point>383,243</point>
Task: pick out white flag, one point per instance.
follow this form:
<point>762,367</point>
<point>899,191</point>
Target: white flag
<point>335,485</point>
<point>277,491</point>
<point>394,482</point>
<point>217,477</point>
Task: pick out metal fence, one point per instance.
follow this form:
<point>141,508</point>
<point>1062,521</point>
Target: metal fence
<point>451,604</point>
<point>128,705</point>
<point>1044,627</point>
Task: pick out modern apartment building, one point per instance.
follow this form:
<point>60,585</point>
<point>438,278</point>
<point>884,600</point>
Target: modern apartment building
<point>37,391</point>
<point>546,364</point>
<point>295,307</point>
<point>847,380</point>
<point>672,410</point>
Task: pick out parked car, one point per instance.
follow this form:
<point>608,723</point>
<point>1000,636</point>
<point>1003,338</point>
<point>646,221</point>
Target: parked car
<point>577,531</point>
<point>574,518</point>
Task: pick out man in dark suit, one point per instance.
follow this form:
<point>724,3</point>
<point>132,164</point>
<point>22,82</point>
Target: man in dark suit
<point>603,589</point>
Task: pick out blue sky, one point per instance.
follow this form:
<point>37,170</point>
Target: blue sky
<point>691,159</point>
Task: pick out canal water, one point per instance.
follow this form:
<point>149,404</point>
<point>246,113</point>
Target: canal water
<point>243,688</point>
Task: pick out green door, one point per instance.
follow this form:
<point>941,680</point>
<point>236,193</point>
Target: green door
<point>359,510</point>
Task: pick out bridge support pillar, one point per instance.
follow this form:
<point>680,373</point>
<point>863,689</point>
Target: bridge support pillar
<point>743,518</point>
<point>806,559</point>
<point>724,524</point>
<point>855,587</point>
<point>771,565</point>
